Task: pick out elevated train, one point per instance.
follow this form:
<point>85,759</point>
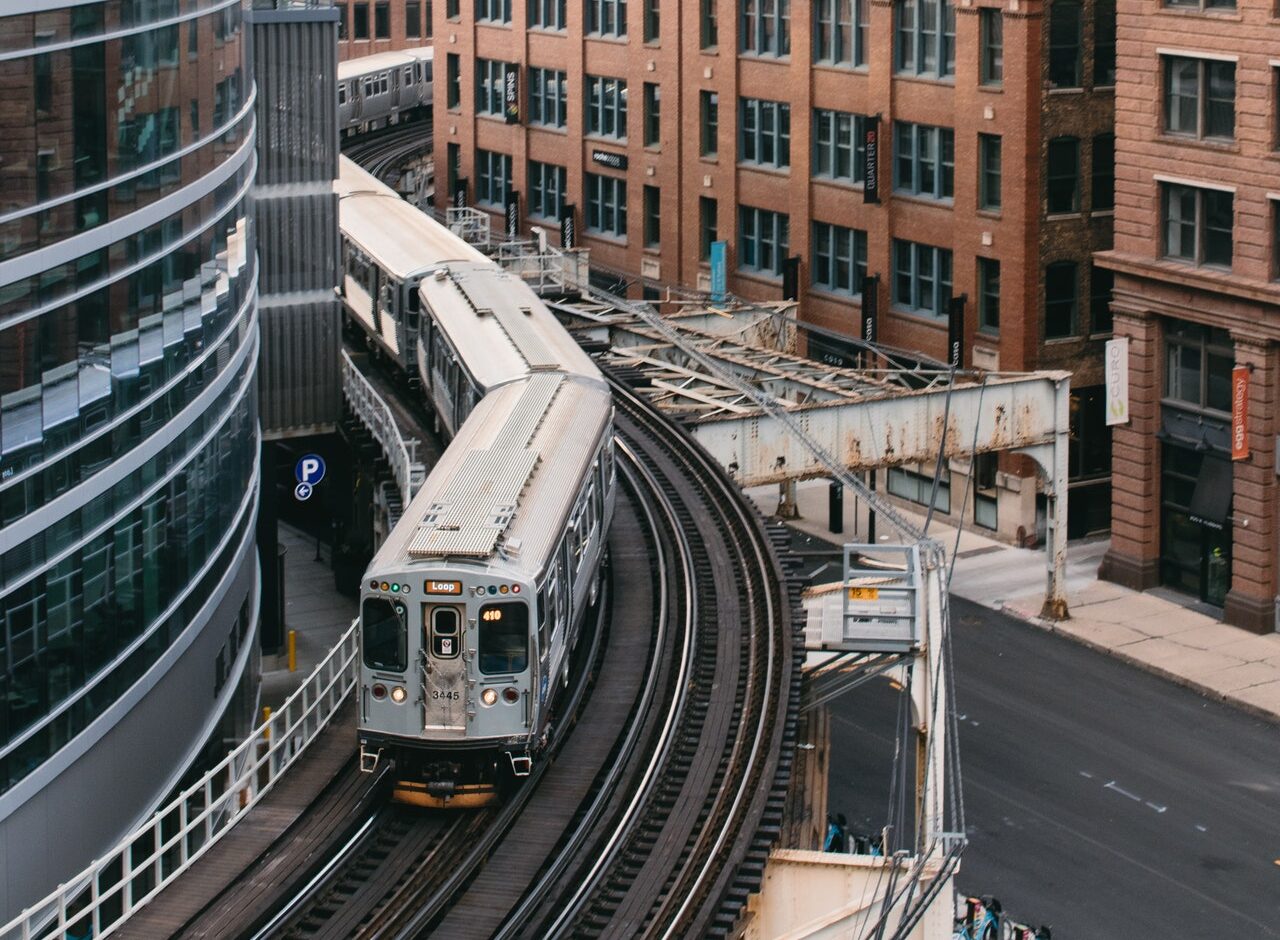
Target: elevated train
<point>383,89</point>
<point>471,608</point>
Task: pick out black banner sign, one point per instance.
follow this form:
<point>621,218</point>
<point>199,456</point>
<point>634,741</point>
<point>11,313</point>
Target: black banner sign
<point>870,297</point>
<point>513,214</point>
<point>614,161</point>
<point>955,331</point>
<point>568,231</point>
<point>460,192</point>
<point>511,96</point>
<point>791,278</point>
<point>871,164</point>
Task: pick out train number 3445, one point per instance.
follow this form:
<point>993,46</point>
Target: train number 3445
<point>438,694</point>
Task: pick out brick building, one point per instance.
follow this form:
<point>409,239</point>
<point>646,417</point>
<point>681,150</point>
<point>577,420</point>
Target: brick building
<point>366,27</point>
<point>1197,242</point>
<point>664,127</point>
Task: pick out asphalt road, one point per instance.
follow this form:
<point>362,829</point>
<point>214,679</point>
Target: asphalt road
<point>1099,799</point>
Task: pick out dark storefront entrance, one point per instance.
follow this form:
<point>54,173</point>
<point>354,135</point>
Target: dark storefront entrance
<point>1195,537</point>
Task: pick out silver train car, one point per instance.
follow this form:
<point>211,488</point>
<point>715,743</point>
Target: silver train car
<point>380,90</point>
<point>471,608</point>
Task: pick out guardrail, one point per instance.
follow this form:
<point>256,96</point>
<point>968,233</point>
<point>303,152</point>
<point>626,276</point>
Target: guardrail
<point>543,267</point>
<point>469,224</point>
<point>373,412</point>
<point>101,898</point>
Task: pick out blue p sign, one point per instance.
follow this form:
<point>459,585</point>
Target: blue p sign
<point>310,469</point>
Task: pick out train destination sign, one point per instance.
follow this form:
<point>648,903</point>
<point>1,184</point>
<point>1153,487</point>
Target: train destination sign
<point>444,587</point>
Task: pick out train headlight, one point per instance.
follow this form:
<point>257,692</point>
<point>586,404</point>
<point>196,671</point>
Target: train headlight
<point>398,694</point>
<point>489,696</point>
<point>511,695</point>
<point>379,691</point>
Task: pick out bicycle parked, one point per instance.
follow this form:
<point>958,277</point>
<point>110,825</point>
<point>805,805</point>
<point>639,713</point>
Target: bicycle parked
<point>980,919</point>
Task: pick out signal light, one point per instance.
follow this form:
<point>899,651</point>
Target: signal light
<point>489,696</point>
<point>379,691</point>
<point>398,694</point>
<point>373,585</point>
<point>502,589</point>
<point>510,695</point>
<point>515,589</point>
<point>395,588</point>
<point>385,586</point>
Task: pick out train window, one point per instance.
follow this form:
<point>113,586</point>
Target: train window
<point>382,628</point>
<point>445,638</point>
<point>342,93</point>
<point>504,638</point>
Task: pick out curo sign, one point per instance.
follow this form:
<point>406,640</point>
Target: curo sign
<point>1116,364</point>
<point>1240,413</point>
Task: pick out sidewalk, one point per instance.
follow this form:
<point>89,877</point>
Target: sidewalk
<point>313,608</point>
<point>1150,631</point>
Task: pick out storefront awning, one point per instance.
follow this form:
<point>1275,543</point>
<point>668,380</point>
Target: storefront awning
<point>1211,501</point>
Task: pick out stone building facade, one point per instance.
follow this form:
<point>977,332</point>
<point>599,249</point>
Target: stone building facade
<point>1195,266</point>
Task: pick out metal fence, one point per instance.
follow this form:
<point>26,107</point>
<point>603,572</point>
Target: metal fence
<point>101,898</point>
<point>376,416</point>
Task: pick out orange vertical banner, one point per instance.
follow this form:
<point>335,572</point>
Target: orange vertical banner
<point>1239,413</point>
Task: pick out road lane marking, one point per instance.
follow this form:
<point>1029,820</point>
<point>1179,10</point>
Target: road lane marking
<point>1086,774</point>
<point>1122,791</point>
<point>1158,809</point>
<point>1201,828</point>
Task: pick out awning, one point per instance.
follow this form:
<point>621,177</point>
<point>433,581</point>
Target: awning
<point>1211,501</point>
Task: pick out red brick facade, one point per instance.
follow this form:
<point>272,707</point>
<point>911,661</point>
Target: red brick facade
<point>1157,290</point>
<point>400,32</point>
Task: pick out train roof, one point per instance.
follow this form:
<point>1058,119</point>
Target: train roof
<point>403,240</point>
<point>500,328</point>
<point>503,490</point>
<point>378,62</point>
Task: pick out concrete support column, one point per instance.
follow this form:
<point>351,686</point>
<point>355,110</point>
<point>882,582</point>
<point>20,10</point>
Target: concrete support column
<point>1134,557</point>
<point>1251,600</point>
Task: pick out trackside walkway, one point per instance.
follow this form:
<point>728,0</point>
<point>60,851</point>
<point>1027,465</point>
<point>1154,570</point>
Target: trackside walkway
<point>1154,630</point>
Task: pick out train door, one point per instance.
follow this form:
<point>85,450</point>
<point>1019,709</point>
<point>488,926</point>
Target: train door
<point>444,671</point>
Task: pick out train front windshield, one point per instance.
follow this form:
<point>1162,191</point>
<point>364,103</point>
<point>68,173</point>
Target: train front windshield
<point>384,633</point>
<point>504,638</point>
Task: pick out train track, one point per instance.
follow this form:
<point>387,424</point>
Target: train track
<point>385,150</point>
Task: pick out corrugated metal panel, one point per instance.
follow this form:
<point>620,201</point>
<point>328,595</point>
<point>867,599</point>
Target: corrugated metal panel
<point>483,496</point>
<point>296,214</point>
<point>488,293</point>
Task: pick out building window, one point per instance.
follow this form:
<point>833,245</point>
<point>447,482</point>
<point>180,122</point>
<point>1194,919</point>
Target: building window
<point>606,205</point>
<point>839,258</point>
<point>429,27</point>
<point>548,93</point>
<point>1275,239</point>
<point>1104,42</point>
<point>1060,300</point>
<point>607,17</point>
<point>652,114</point>
<point>989,295</point>
<point>452,9</point>
<point>910,483</point>
<point>194,48</point>
<point>921,278</point>
<point>547,186</point>
<point>924,160</point>
<point>382,20</point>
<point>988,172</point>
<point>985,501</point>
<point>763,240</point>
<point>766,27</point>
<point>766,133</point>
<point>1104,172</point>
<point>991,46</point>
<point>652,217</point>
<point>1198,363</point>
<point>413,20</point>
<point>1064,44</point>
<point>926,37</point>
<point>453,81</point>
<point>708,24</point>
<point>707,226</point>
<point>493,178</point>
<point>547,14</point>
<point>1101,280</point>
<point>839,148</point>
<point>652,20</point>
<point>491,78</point>
<point>1063,175</point>
<point>493,11</point>
<point>1201,4</point>
<point>1197,224</point>
<point>607,107</point>
<point>840,32</point>
<point>1199,97</point>
<point>709,123</point>
<point>360,21</point>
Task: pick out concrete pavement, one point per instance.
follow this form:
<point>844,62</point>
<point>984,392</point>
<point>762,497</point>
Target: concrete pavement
<point>1157,631</point>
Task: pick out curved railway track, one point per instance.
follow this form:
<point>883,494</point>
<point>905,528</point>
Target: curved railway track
<point>385,150</point>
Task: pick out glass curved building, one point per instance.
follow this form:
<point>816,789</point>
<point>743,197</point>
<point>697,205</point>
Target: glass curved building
<point>128,416</point>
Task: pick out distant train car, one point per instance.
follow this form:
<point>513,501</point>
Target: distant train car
<point>471,608</point>
<point>380,90</point>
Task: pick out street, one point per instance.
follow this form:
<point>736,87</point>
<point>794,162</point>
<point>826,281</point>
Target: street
<point>1099,799</point>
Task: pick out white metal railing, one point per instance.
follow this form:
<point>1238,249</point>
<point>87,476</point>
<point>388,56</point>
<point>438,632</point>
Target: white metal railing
<point>469,224</point>
<point>543,267</point>
<point>373,412</point>
<point>102,897</point>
